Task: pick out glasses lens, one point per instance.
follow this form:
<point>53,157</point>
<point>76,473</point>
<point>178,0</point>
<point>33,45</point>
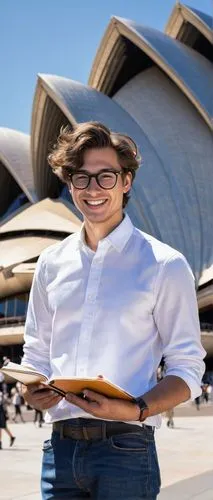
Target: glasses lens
<point>80,181</point>
<point>107,180</point>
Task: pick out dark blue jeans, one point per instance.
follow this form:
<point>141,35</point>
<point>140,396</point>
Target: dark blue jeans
<point>123,467</point>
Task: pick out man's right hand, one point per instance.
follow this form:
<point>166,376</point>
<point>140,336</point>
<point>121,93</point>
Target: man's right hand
<point>39,396</point>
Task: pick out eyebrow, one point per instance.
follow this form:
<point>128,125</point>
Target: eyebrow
<point>104,169</point>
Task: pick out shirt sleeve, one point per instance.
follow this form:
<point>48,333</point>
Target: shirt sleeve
<point>177,320</point>
<point>38,324</point>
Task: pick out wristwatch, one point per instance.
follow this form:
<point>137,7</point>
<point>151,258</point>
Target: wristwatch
<point>144,409</point>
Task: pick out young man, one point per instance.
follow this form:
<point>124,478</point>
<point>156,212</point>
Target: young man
<point>109,300</point>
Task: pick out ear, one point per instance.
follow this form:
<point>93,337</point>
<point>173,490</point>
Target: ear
<point>127,182</point>
<point>69,185</point>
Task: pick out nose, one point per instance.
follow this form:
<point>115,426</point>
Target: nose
<point>93,186</point>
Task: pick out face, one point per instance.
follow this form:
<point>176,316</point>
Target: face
<point>98,205</point>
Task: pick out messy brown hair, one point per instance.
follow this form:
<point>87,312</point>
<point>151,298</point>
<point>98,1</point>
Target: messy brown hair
<point>68,152</point>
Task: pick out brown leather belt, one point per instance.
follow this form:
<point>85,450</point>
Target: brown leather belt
<point>103,430</point>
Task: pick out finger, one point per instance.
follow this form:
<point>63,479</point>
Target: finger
<point>51,402</point>
<point>85,405</point>
<point>32,388</point>
<point>42,393</point>
<point>94,396</point>
<point>46,403</point>
<point>51,396</point>
<point>72,398</point>
<point>45,406</point>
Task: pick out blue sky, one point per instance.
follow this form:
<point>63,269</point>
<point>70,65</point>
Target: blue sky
<point>60,37</point>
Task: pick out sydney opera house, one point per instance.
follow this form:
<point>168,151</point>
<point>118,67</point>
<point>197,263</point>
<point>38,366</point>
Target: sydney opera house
<point>158,88</point>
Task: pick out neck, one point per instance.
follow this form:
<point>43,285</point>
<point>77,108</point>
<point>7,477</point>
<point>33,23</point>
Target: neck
<point>94,232</point>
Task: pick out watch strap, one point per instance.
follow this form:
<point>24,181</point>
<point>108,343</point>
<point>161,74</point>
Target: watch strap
<point>144,409</point>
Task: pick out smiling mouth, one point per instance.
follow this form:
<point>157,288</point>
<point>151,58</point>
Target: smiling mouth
<point>95,203</point>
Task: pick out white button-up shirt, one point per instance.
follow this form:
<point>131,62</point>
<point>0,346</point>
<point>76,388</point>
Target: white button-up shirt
<point>114,312</point>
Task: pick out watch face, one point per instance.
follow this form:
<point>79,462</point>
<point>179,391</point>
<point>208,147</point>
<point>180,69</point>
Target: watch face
<point>144,413</point>
<point>141,403</point>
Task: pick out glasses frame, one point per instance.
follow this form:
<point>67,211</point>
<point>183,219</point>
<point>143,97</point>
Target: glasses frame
<point>96,177</point>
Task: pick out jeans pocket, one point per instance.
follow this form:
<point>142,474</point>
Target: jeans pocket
<point>47,445</point>
<point>133,442</point>
<point>157,467</point>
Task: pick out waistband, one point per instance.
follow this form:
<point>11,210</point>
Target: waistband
<point>93,429</point>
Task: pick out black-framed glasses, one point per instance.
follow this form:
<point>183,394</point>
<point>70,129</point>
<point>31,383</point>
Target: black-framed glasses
<point>106,179</point>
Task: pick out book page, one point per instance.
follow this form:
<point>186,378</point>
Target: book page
<point>23,374</point>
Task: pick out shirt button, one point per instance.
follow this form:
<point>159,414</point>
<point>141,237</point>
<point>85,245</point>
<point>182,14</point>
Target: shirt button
<point>91,297</point>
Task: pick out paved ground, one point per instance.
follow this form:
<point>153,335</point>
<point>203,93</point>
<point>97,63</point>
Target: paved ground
<point>185,453</point>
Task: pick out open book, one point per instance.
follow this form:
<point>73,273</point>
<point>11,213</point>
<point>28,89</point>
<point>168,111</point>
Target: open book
<point>62,385</point>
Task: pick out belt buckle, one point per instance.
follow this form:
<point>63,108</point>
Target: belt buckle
<point>71,434</point>
<point>85,433</point>
<point>100,432</point>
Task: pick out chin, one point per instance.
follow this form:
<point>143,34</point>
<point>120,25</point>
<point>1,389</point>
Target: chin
<point>95,217</point>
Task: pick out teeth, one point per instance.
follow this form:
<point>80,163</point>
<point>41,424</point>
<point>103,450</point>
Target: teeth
<point>95,202</point>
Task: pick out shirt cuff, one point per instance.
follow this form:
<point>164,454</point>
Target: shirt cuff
<point>193,385</point>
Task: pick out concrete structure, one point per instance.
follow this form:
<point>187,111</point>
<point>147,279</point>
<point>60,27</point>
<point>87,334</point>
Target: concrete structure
<point>164,93</point>
<point>157,88</point>
<point>22,238</point>
<point>192,27</point>
<point>16,177</point>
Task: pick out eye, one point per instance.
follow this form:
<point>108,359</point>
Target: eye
<point>81,176</point>
<point>107,175</point>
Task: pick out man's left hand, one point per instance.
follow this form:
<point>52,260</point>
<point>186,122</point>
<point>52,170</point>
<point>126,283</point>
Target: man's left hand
<point>105,408</point>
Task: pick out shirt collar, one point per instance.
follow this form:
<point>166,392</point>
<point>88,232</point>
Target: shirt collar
<point>121,234</point>
<point>82,242</point>
<point>118,238</point>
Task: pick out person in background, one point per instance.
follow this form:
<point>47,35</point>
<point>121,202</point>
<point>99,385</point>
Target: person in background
<point>38,417</point>
<point>5,360</point>
<point>109,300</point>
<point>1,381</point>
<point>170,417</point>
<point>3,420</point>
<point>208,391</point>
<point>197,402</point>
<point>17,402</point>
